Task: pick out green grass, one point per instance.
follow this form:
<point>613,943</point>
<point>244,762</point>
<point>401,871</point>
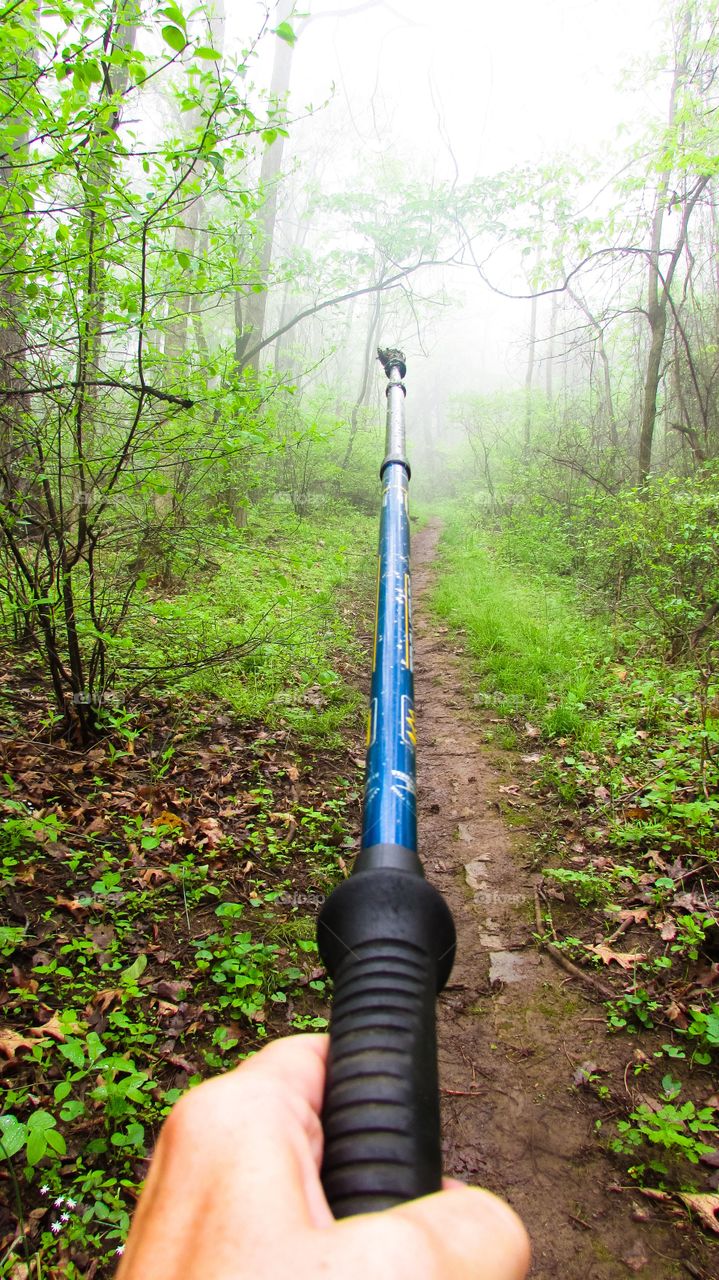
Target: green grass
<point>534,651</point>
<point>287,595</point>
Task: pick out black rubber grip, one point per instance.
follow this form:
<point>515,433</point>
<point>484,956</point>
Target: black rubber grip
<point>387,938</point>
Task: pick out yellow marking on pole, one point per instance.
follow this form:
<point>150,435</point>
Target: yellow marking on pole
<point>376,615</point>
<point>408,724</point>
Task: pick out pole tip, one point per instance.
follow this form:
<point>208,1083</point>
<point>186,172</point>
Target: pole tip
<point>392,358</point>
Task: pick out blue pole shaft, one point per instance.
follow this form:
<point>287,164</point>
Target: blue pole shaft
<point>390,808</point>
<point>389,827</point>
<point>385,935</point>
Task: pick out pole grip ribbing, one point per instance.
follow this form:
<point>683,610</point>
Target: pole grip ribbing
<point>387,939</point>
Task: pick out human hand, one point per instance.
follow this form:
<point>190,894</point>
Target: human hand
<point>234,1193</point>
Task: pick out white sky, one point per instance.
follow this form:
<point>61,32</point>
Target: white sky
<point>512,78</point>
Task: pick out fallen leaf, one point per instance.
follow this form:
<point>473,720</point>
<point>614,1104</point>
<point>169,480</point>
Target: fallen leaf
<point>23,980</point>
<point>12,1041</point>
<point>676,1014</point>
<point>637,1257</point>
<point>153,875</point>
<point>293,773</point>
<point>167,819</point>
<point>182,1064</point>
<point>637,914</point>
<point>53,1028</point>
<point>668,930</point>
<point>102,935</point>
<point>174,990</point>
<point>102,1000</point>
<point>73,905</point>
<point>531,730</point>
<point>601,793</point>
<point>211,833</point>
<point>705,1206</point>
<point>623,958</point>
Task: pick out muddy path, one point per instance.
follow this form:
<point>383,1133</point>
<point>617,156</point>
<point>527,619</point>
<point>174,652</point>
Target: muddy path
<point>513,1028</point>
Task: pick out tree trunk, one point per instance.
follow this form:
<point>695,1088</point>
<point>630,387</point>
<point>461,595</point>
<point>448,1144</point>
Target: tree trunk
<point>191,216</point>
<point>658,288</point>
<point>252,314</point>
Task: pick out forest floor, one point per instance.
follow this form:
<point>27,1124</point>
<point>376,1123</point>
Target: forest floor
<point>519,1038</point>
<point>157,919</point>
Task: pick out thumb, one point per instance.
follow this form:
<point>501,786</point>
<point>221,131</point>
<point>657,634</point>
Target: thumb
<point>477,1235</point>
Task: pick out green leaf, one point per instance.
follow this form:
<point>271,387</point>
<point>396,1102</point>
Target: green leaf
<point>175,14</point>
<point>72,1110</point>
<point>135,1134</point>
<point>95,1047</point>
<point>40,1121</point>
<point>36,1146</point>
<point>135,970</point>
<point>211,55</point>
<point>73,1051</point>
<point>13,1135</point>
<point>55,1141</point>
<point>174,37</point>
<point>285,32</point>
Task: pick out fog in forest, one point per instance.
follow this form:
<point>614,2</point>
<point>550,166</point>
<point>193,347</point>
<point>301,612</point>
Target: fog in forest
<point>399,92</point>
<point>393,102</point>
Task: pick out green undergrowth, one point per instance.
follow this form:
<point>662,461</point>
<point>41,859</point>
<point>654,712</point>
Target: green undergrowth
<point>263,619</point>
<point>623,753</point>
<point>161,914</point>
<point>160,890</point>
<point>534,651</point>
<point>285,598</point>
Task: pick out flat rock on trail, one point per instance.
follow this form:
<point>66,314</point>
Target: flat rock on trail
<point>513,1028</point>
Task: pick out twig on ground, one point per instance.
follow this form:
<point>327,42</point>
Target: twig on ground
<point>605,991</point>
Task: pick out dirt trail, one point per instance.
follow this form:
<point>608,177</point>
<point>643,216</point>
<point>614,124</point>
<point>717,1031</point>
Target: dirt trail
<point>512,1027</point>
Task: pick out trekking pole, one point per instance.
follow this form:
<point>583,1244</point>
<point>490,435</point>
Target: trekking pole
<point>385,935</point>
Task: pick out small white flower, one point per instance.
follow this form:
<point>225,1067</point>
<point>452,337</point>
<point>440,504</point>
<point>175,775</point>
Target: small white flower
<point>44,1190</point>
<point>55,1228</point>
<point>71,1204</point>
<point>60,1200</point>
<point>119,1250</point>
<point>64,1217</point>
